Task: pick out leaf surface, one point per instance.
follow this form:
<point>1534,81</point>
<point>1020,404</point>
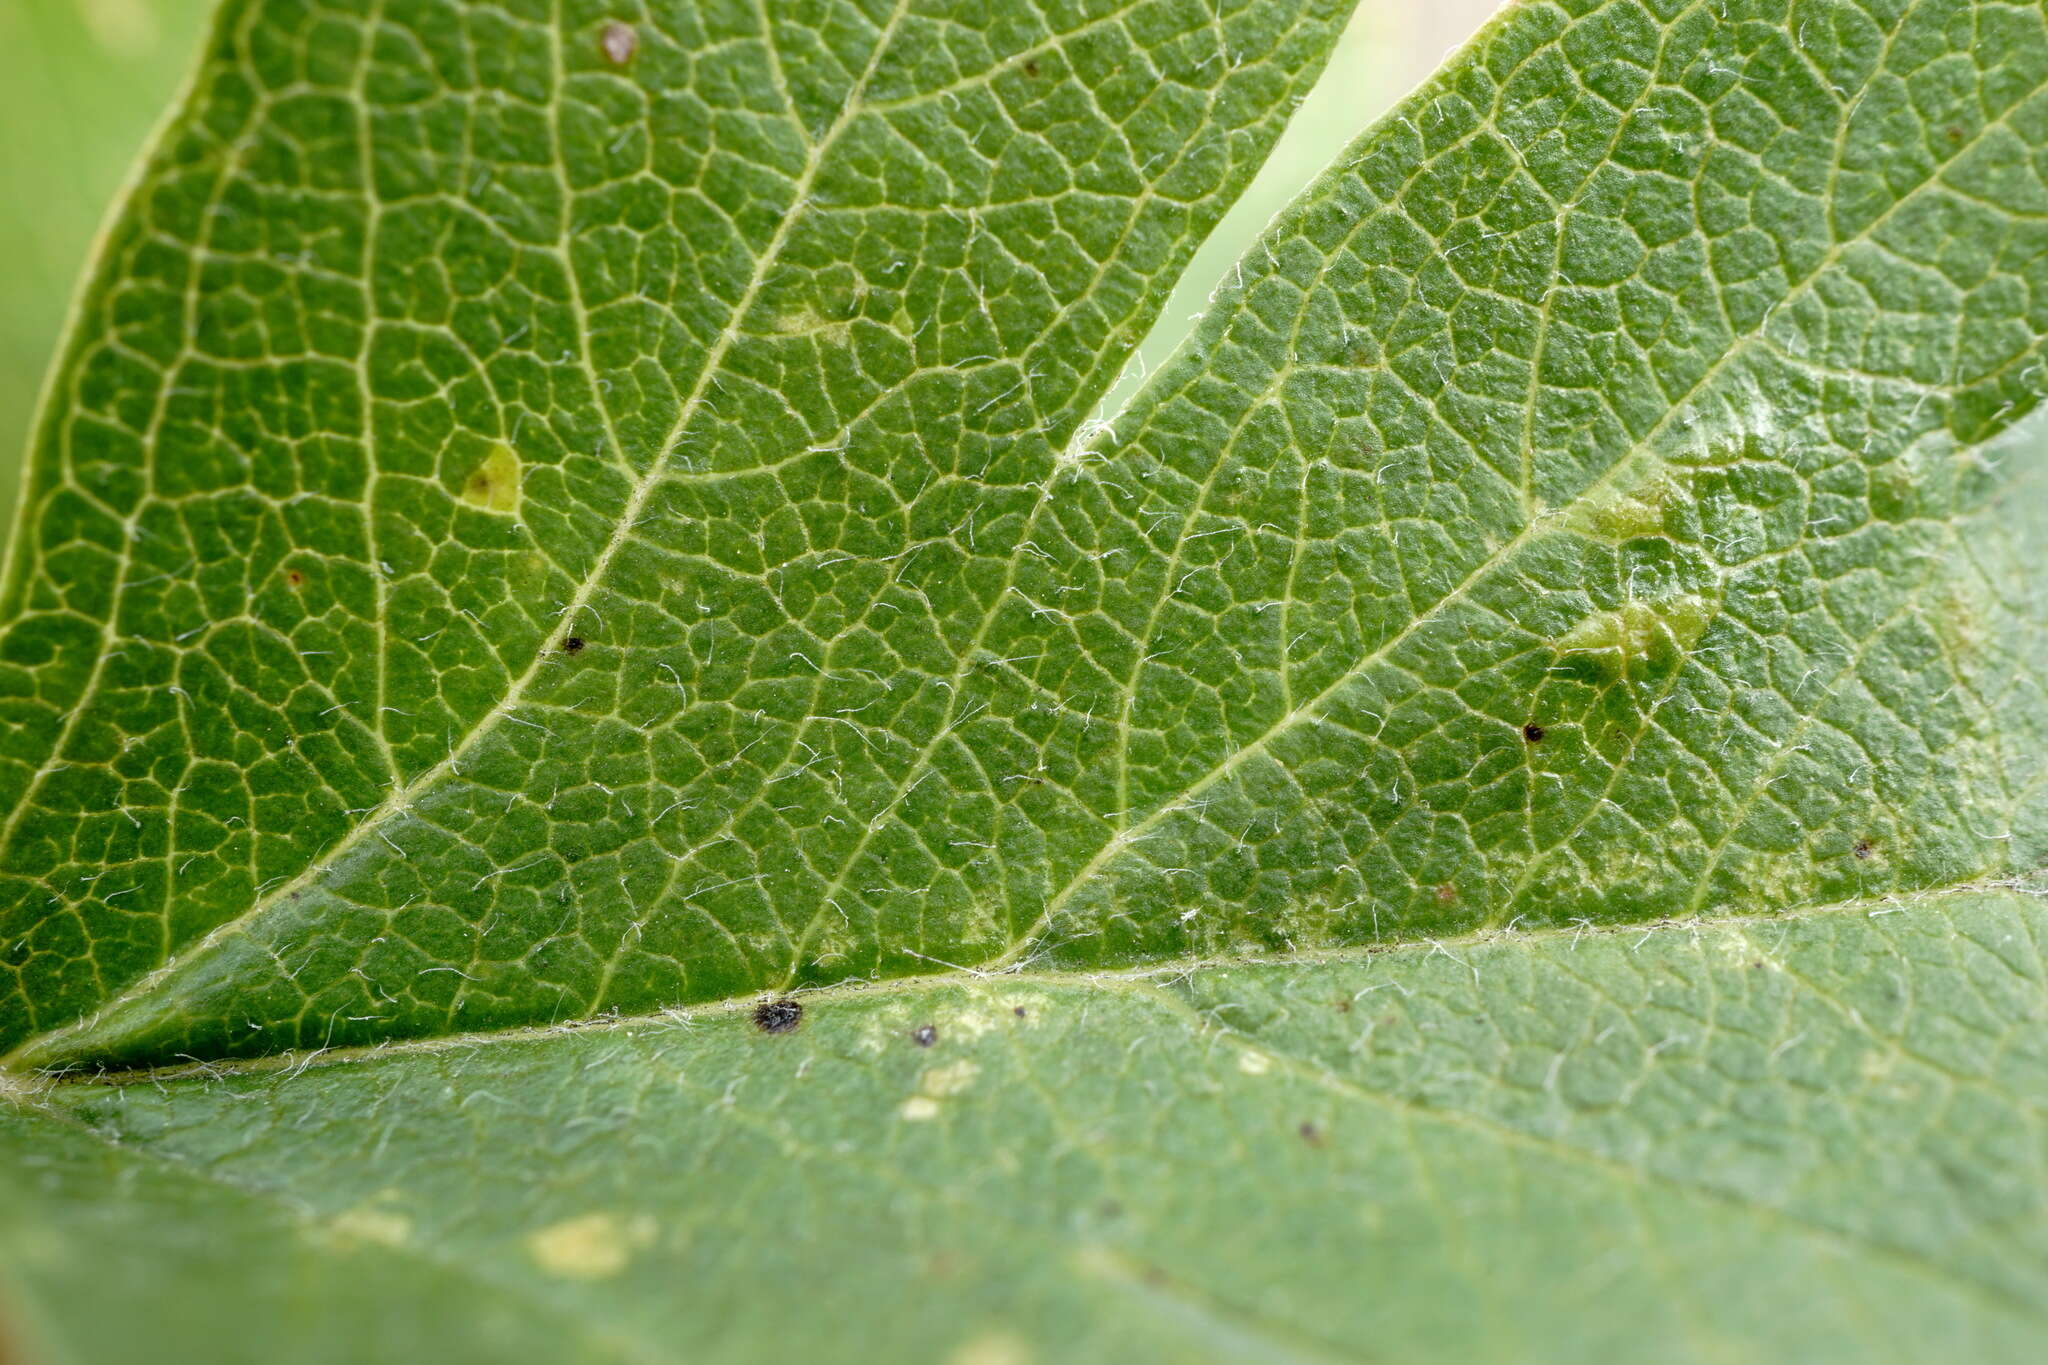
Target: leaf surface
<point>551,522</point>
<point>1819,1136</point>
<point>496,452</point>
<point>635,593</point>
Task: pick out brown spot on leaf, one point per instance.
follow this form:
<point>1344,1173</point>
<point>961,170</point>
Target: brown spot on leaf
<point>1311,1134</point>
<point>1446,894</point>
<point>572,644</point>
<point>1534,733</point>
<point>924,1035</point>
<point>294,577</point>
<point>618,42</point>
<point>1031,68</point>
<point>1864,850</point>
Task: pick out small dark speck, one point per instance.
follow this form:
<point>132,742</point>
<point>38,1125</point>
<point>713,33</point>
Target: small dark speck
<point>618,42</point>
<point>1864,850</point>
<point>1534,733</point>
<point>1343,1006</point>
<point>1446,894</point>
<point>1311,1134</point>
<point>294,577</point>
<point>1031,68</point>
<point>778,1016</point>
<point>924,1035</point>
<point>573,645</point>
<point>1019,1011</point>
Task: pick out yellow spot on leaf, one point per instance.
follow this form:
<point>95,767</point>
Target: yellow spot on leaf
<point>934,1085</point>
<point>383,1227</point>
<point>494,484</point>
<point>1629,512</point>
<point>593,1246</point>
<point>991,1348</point>
<point>1637,630</point>
<point>1253,1063</point>
<point>950,1079</point>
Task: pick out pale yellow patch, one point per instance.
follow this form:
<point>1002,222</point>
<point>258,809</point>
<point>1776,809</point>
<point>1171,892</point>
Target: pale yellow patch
<point>1627,513</point>
<point>808,322</point>
<point>991,1348</point>
<point>128,27</point>
<point>593,1246</point>
<point>936,1084</point>
<point>1254,1063</point>
<point>380,1226</point>
<point>494,484</point>
<point>950,1079</point>
<point>1637,628</point>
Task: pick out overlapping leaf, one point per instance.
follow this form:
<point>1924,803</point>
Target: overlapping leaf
<point>524,536</point>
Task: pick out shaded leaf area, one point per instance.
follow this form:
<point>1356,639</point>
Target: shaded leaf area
<point>437,335</point>
<point>1593,500</point>
<point>1815,1137</point>
<point>115,1255</point>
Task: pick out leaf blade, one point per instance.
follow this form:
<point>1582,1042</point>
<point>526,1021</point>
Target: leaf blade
<point>1116,134</point>
<point>1360,1154</point>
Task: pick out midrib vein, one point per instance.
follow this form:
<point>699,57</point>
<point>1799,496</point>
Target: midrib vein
<point>1142,977</point>
<point>402,797</point>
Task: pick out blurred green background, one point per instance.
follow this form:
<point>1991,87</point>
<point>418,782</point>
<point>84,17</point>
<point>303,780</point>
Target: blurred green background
<point>82,83</point>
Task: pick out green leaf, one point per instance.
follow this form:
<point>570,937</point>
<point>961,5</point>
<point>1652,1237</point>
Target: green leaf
<point>1814,1138</point>
<point>556,516</point>
<point>564,502</point>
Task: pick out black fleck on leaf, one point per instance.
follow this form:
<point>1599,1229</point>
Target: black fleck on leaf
<point>778,1016</point>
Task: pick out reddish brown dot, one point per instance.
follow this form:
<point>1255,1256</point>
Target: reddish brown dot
<point>1446,894</point>
<point>1311,1134</point>
<point>618,42</point>
<point>1534,733</point>
<point>1031,68</point>
<point>1019,1011</point>
<point>1864,849</point>
<point>294,577</point>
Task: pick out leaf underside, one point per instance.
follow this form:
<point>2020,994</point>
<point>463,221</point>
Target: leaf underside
<point>1609,1146</point>
<point>558,514</point>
